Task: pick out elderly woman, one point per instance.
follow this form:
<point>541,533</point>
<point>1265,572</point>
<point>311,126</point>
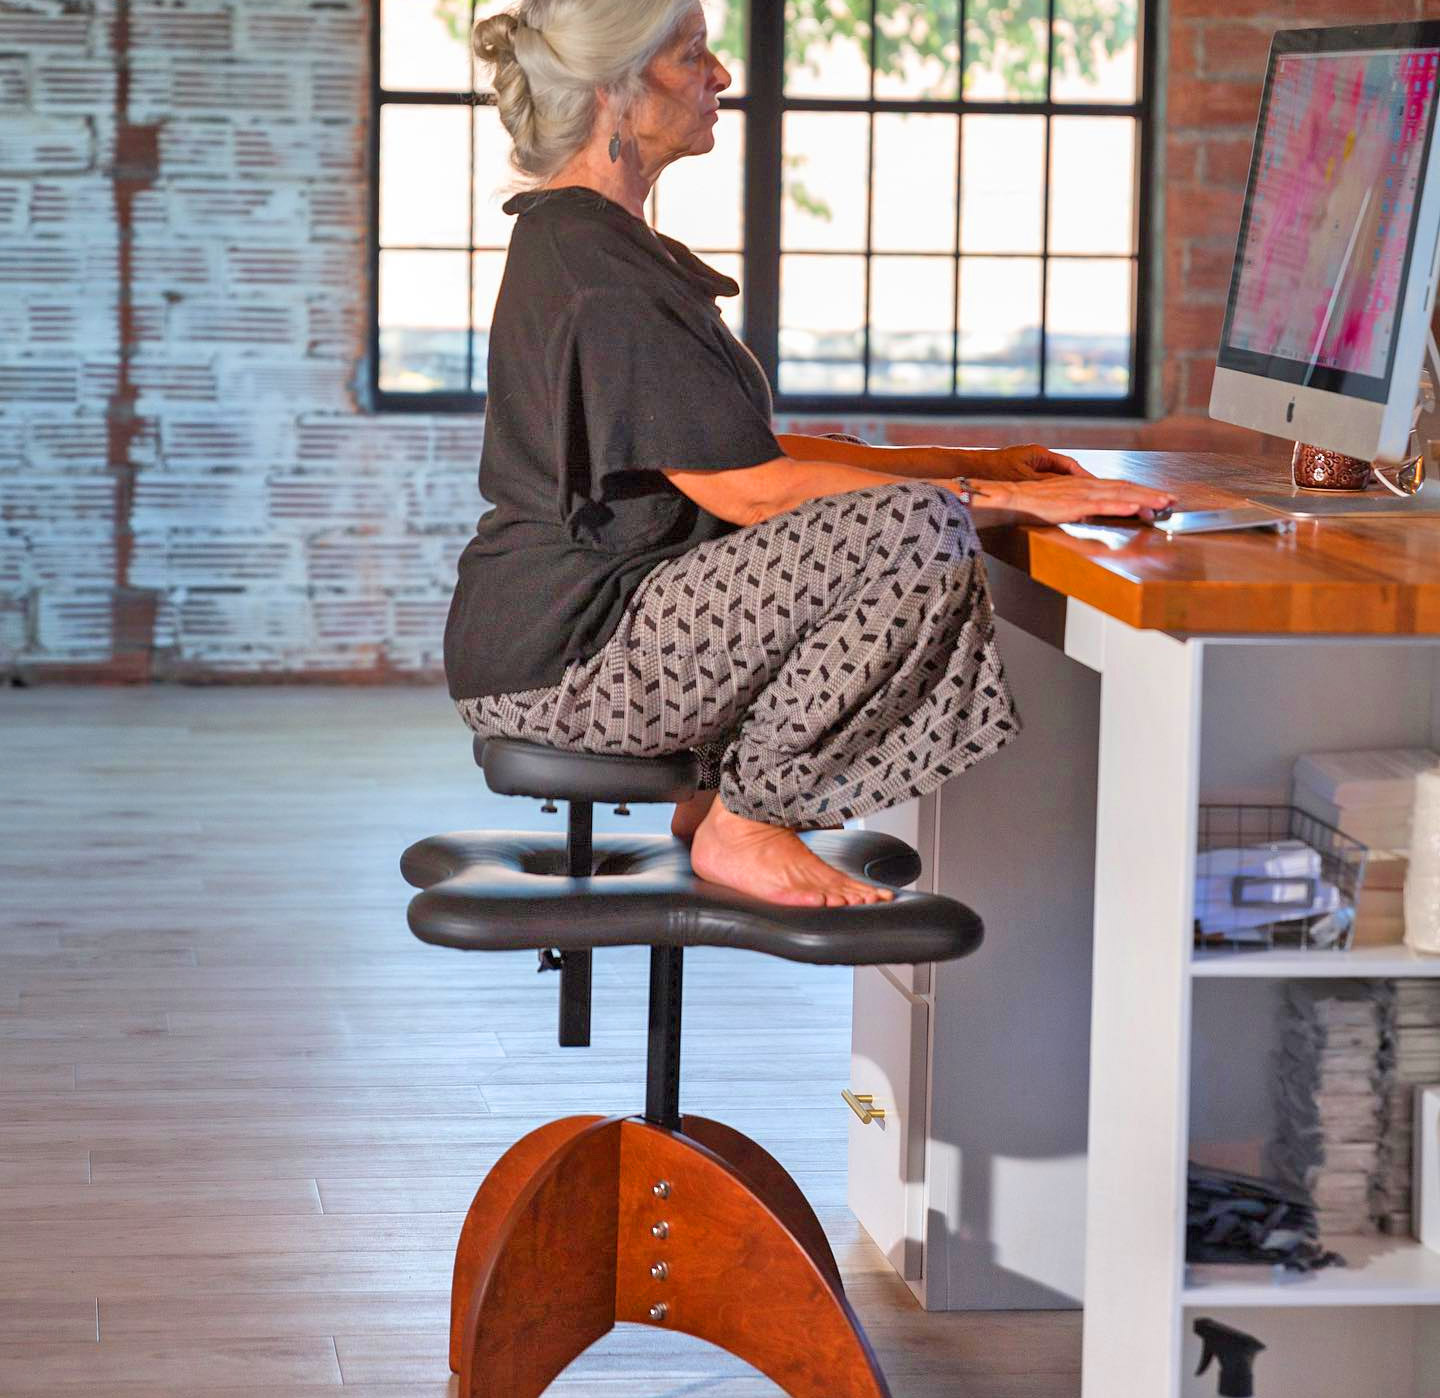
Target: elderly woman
<point>659,571</point>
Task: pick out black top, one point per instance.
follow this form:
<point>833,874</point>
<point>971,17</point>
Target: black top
<point>609,361</point>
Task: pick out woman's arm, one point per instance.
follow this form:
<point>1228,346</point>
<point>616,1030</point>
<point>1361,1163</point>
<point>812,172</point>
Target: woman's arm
<point>750,494</point>
<point>1020,463</point>
<point>926,463</point>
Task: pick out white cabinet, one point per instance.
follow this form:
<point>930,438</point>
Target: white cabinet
<point>1001,1174</point>
<point>889,1044</point>
<point>1078,1058</point>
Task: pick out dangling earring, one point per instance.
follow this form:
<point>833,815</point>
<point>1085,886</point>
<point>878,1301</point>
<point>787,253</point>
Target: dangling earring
<point>615,146</point>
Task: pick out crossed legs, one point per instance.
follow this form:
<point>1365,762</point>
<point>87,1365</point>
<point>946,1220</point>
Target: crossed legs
<point>841,654</point>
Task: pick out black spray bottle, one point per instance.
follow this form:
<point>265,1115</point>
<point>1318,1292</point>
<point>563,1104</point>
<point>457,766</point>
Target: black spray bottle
<point>1236,1352</point>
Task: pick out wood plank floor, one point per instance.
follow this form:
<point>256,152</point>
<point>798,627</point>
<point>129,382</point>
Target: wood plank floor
<point>242,1111</point>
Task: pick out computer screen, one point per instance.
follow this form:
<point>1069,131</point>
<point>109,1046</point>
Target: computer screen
<point>1332,250</point>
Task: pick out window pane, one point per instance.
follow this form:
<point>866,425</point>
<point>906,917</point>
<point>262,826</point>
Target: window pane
<point>495,179</point>
<point>1000,326</point>
<point>1087,327</point>
<point>1002,184</point>
<point>914,204</point>
<point>729,25</point>
<point>423,186</point>
<point>697,199</point>
<point>1097,52</point>
<point>911,334</point>
<point>827,48</point>
<point>425,45</point>
<point>1092,184</point>
<point>1005,49</point>
<point>423,304</point>
<point>825,165</point>
<point>917,48</point>
<point>822,324</point>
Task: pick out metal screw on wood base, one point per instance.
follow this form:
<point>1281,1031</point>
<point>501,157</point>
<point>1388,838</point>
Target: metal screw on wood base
<point>659,1270</point>
<point>659,1311</point>
<point>662,1189</point>
<point>660,1230</point>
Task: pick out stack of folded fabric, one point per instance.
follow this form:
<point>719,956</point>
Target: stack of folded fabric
<point>1380,908</point>
<point>1410,1059</point>
<point>1330,1101</point>
<point>1368,796</point>
<point>1234,1218</point>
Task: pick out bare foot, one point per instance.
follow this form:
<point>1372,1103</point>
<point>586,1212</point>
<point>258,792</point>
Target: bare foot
<point>773,863</point>
<point>689,814</point>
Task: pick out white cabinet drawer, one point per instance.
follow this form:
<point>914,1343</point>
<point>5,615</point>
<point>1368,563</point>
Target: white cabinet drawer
<point>887,1154</point>
<point>914,822</point>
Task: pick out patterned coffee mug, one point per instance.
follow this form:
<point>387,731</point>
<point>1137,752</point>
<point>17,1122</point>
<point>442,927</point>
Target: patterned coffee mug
<point>1319,468</point>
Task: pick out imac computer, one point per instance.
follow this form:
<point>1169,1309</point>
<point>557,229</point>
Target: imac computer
<point>1328,318</point>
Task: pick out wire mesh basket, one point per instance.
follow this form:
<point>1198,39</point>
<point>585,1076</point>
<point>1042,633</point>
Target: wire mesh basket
<point>1271,877</point>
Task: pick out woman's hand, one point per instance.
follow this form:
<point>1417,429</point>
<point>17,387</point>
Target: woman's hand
<point>1060,499</point>
<point>1024,463</point>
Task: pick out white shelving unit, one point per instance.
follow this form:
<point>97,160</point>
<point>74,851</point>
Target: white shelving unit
<point>1051,1088</point>
<point>1252,727</point>
<point>1379,1272</point>
<point>1380,962</point>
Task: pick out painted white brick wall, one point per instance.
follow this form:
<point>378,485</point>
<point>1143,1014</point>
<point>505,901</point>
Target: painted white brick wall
<point>280,528</point>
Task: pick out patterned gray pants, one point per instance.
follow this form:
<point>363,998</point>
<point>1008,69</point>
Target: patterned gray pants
<point>833,660</point>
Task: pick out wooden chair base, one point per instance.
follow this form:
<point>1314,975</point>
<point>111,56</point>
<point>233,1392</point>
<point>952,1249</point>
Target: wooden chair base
<point>590,1220</point>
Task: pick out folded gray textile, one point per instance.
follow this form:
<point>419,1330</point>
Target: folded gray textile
<point>1409,1059</point>
<point>1329,1096</point>
<point>1350,1056</point>
<point>1235,1218</point>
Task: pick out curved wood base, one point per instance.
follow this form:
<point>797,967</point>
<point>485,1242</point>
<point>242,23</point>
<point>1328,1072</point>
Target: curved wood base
<point>591,1221</point>
<point>491,1206</point>
<point>769,1181</point>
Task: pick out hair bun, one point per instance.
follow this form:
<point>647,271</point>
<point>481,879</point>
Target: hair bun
<point>493,38</point>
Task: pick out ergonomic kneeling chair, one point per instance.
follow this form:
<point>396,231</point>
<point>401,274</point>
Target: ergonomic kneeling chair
<point>673,1221</point>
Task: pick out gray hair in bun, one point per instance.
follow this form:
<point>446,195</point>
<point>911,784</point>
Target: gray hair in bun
<point>549,57</point>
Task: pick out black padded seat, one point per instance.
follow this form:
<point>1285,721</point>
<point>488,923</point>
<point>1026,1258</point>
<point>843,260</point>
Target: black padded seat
<point>498,890</point>
<point>514,767</point>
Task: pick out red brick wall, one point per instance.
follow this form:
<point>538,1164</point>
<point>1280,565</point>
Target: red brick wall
<point>1217,55</point>
<point>189,486</point>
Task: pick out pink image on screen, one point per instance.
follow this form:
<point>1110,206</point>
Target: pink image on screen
<point>1331,209</point>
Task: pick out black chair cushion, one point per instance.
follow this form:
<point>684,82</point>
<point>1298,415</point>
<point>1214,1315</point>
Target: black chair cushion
<point>502,890</point>
<point>513,767</point>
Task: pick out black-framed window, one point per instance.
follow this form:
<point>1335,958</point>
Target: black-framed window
<point>932,206</point>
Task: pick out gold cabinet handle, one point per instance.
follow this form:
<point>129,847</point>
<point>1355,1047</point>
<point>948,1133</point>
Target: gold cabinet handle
<point>862,1104</point>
